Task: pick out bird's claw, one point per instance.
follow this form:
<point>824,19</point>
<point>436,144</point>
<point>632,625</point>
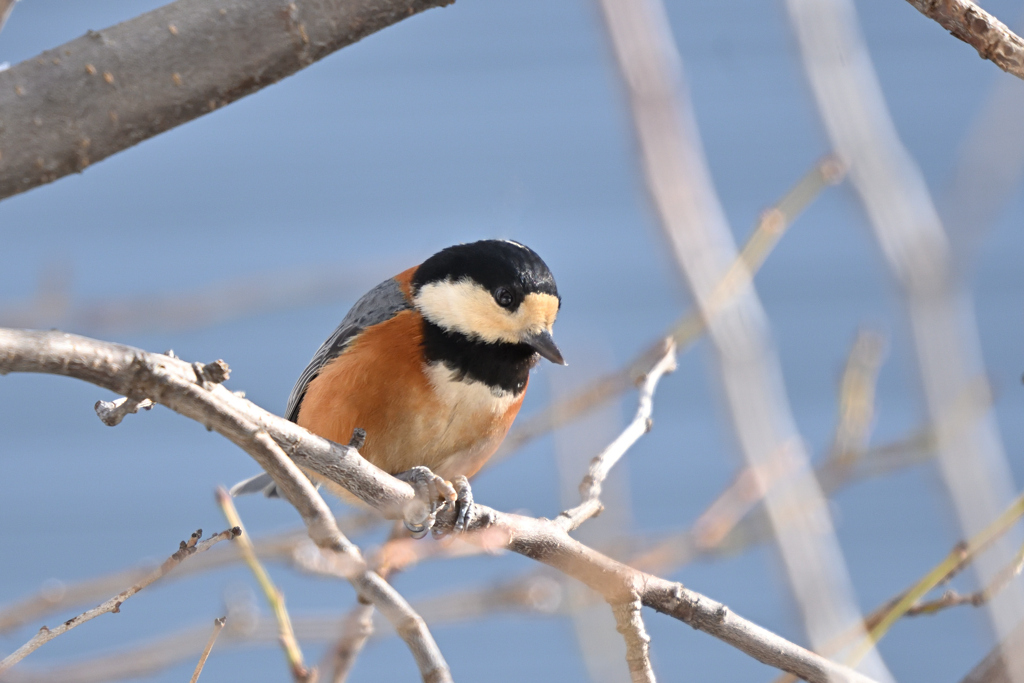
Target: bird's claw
<point>463,503</point>
<point>432,492</point>
<point>463,508</point>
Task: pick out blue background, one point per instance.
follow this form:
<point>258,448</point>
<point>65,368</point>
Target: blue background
<point>484,119</point>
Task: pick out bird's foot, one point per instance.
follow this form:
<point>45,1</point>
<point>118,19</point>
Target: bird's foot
<point>432,493</point>
<point>463,503</point>
<point>464,511</point>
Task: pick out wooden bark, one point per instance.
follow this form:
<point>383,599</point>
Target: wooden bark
<point>78,103</point>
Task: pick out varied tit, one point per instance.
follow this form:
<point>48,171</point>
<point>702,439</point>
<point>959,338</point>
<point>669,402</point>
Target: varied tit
<point>433,364</point>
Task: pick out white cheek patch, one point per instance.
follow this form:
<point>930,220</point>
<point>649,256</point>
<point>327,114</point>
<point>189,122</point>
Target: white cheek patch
<point>466,307</point>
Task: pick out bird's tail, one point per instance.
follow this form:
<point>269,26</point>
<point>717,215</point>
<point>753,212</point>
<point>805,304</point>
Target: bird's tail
<point>261,483</point>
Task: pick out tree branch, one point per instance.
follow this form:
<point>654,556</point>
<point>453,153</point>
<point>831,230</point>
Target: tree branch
<point>601,465</point>
<point>992,38</point>
<point>267,437</point>
<point>630,624</point>
<point>218,626</point>
<point>45,635</point>
<point>78,103</point>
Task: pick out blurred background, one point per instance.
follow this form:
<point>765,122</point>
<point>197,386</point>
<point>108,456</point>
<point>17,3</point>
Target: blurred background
<point>246,235</point>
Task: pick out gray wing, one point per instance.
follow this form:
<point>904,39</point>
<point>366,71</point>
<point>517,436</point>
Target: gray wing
<point>381,303</point>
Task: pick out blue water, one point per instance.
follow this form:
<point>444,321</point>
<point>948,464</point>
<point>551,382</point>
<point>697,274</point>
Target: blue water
<point>487,119</point>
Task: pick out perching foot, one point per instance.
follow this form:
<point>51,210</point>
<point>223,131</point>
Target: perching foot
<point>432,493</point>
<point>463,503</point>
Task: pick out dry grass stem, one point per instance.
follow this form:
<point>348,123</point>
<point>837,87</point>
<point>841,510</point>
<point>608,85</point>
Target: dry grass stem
<point>273,595</point>
<point>188,548</point>
<point>951,598</point>
<point>959,558</point>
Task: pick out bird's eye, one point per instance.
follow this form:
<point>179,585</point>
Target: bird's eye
<point>504,297</point>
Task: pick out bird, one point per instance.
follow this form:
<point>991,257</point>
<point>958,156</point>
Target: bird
<point>432,365</point>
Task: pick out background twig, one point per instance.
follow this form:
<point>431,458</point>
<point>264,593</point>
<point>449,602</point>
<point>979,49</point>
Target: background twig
<point>45,635</point>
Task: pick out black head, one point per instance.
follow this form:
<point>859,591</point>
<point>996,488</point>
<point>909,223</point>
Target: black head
<point>496,291</point>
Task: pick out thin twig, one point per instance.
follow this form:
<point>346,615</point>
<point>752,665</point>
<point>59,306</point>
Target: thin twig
<point>990,37</point>
<point>187,549</point>
<point>960,557</point>
<point>631,625</point>
<point>857,397</point>
<point>274,596</point>
<point>218,626</point>
<point>951,598</point>
<point>601,465</point>
<point>537,592</point>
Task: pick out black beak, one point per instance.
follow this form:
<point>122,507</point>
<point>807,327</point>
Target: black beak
<point>542,343</point>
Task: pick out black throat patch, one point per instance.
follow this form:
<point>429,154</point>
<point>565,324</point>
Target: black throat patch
<point>498,365</point>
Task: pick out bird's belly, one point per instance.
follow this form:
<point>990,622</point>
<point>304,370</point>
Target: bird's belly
<point>412,414</point>
<point>466,423</point>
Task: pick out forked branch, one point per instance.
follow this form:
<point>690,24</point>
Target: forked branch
<point>271,440</point>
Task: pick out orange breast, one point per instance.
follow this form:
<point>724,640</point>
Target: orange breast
<point>380,385</point>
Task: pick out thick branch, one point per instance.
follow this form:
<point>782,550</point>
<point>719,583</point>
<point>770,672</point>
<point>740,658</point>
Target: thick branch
<point>79,103</point>
<point>990,37</point>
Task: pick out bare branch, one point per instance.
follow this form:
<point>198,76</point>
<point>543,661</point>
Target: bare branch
<point>346,559</point>
<point>356,631</point>
<point>274,596</point>
<point>171,382</point>
<point>218,626</point>
<point>601,465</point>
<point>992,39</point>
<point>959,558</point>
<point>80,102</point>
<point>631,625</point>
<point>951,598</point>
<point>45,635</point>
<point>56,596</point>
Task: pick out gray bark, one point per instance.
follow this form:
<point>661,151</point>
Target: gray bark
<point>78,103</point>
